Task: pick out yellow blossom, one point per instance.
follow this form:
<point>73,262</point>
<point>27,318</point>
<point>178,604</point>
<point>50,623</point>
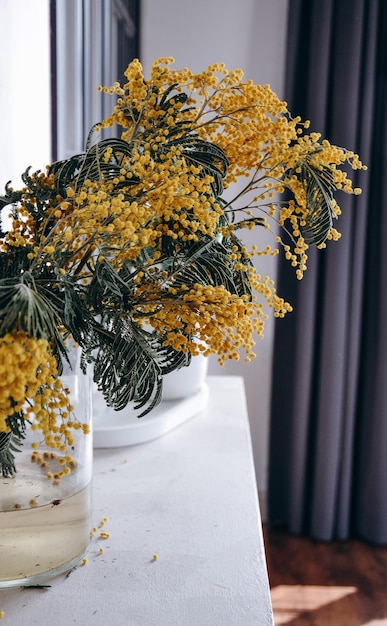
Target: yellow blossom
<point>138,233</point>
<point>31,375</point>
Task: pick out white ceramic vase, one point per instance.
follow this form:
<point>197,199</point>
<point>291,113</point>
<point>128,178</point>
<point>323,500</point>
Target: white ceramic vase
<point>186,381</point>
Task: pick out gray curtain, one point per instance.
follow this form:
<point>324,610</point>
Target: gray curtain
<point>328,440</point>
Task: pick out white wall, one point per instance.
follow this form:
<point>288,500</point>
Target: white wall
<point>249,34</point>
<point>25,105</point>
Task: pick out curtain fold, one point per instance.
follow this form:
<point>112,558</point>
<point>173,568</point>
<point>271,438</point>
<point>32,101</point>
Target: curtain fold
<point>328,440</point>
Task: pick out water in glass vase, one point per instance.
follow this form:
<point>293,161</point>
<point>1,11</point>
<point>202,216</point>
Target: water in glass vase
<point>45,508</point>
<point>39,542</point>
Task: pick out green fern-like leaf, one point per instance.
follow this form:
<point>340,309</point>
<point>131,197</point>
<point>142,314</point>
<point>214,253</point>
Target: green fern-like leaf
<point>24,307</point>
<point>92,166</point>
<point>209,262</point>
<point>129,361</point>
<point>11,443</point>
<point>319,187</point>
<point>14,262</point>
<point>129,366</point>
<point>210,157</point>
<point>75,314</point>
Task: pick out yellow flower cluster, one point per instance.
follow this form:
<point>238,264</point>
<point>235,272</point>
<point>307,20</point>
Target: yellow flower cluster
<point>170,199</point>
<point>29,386</point>
<point>252,126</point>
<point>157,192</point>
<point>211,320</point>
<point>184,138</point>
<point>23,227</point>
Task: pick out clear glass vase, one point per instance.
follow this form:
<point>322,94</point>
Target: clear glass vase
<point>45,506</point>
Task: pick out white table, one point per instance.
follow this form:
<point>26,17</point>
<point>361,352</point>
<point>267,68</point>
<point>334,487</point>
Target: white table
<point>188,497</point>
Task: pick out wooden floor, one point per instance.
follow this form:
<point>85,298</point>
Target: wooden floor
<point>326,584</point>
